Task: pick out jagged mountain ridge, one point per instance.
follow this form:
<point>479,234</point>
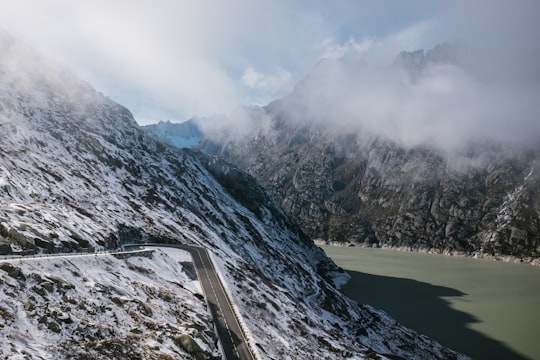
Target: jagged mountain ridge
<point>455,53</point>
<point>361,187</point>
<point>76,172</point>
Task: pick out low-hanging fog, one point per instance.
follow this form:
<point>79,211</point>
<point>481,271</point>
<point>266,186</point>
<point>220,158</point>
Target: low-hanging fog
<point>447,97</point>
<point>471,95</point>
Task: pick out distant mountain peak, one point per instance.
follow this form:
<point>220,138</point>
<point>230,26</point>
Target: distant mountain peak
<point>453,53</point>
<point>182,135</point>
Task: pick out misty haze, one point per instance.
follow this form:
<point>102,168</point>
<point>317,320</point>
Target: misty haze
<point>446,97</point>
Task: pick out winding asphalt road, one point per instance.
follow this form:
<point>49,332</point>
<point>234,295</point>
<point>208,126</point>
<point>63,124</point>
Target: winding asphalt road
<point>230,333</point>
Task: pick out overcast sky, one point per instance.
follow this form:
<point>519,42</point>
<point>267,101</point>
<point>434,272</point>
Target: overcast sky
<point>173,59</point>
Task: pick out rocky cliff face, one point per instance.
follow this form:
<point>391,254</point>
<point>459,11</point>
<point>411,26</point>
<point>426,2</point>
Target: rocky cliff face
<point>77,173</point>
<point>373,192</point>
<point>362,187</point>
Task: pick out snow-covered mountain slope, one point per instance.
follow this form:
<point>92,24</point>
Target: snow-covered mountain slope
<point>103,307</point>
<point>182,135</point>
<point>76,172</point>
<point>391,164</point>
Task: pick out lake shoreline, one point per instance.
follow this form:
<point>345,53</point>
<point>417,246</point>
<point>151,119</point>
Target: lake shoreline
<point>476,255</point>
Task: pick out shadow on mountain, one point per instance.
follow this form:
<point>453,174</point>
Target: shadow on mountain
<point>422,307</point>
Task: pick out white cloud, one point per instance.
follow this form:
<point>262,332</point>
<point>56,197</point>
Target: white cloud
<point>187,57</point>
<point>335,50</point>
<point>444,105</point>
<point>156,52</point>
<point>183,56</point>
<point>382,50</point>
<point>274,83</point>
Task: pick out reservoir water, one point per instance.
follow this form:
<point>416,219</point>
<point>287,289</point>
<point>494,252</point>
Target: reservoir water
<point>482,308</point>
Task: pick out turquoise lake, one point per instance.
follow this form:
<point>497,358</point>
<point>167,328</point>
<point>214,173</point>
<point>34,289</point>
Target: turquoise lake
<point>483,308</point>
